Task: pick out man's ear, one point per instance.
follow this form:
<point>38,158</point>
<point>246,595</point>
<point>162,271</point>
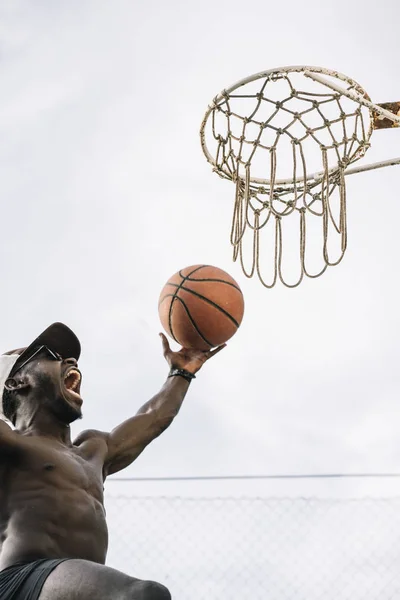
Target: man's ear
<point>12,385</point>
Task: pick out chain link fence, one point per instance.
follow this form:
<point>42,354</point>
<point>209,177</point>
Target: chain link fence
<point>259,548</point>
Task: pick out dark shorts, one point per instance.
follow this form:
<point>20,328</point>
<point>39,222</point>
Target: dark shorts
<point>24,581</point>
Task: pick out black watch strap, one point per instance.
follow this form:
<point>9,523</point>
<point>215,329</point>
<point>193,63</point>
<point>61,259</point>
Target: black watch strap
<point>182,373</point>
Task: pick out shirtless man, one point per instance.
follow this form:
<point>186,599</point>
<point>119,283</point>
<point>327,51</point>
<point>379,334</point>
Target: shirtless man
<point>53,532</point>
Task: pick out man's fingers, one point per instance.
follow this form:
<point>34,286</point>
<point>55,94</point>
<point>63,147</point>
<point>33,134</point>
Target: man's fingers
<point>165,344</point>
<point>216,350</point>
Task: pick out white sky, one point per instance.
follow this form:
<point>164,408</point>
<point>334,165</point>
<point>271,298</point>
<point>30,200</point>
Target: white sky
<point>106,193</point>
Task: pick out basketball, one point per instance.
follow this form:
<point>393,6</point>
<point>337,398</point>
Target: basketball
<point>201,307</point>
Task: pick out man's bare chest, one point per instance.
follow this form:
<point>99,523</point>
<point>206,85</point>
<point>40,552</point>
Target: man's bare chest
<point>54,467</point>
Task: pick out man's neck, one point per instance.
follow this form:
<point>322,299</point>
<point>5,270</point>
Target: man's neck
<point>44,425</point>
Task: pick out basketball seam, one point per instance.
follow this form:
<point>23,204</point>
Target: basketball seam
<point>174,297</point>
<point>218,281</point>
<point>184,277</point>
<point>170,316</point>
<point>188,277</point>
<point>191,320</point>
<point>180,287</point>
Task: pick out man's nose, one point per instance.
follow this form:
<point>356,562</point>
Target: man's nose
<point>71,361</point>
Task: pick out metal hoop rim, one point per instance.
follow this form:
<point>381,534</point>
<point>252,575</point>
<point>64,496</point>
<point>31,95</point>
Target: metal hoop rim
<point>262,74</point>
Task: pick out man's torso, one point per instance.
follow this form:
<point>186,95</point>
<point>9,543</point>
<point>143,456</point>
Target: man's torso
<point>51,501</point>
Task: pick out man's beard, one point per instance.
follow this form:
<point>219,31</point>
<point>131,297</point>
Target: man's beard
<point>64,411</point>
<point>60,407</point>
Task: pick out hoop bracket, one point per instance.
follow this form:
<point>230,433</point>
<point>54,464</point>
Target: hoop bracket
<point>380,109</point>
<point>381,122</point>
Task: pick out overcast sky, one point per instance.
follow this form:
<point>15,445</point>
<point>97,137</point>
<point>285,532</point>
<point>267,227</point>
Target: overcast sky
<point>106,193</point>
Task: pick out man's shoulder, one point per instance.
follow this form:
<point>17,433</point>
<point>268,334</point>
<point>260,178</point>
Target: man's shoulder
<point>11,444</point>
<point>91,435</point>
<point>7,434</point>
<point>4,428</point>
<point>92,446</point>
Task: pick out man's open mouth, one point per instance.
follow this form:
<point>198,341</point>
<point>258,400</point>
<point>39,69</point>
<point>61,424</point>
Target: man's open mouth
<point>72,382</point>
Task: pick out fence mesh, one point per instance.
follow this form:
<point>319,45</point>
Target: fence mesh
<point>259,548</point>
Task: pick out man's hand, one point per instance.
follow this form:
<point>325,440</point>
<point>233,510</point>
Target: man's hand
<point>188,359</point>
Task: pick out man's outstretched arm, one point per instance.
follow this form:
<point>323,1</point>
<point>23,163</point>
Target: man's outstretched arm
<point>129,439</point>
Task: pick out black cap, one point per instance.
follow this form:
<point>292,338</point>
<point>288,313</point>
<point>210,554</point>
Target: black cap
<point>59,338</point>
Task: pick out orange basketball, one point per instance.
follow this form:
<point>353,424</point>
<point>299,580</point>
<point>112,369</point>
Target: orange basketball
<point>201,307</point>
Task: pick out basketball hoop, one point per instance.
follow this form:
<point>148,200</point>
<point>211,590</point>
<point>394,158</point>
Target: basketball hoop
<point>287,138</point>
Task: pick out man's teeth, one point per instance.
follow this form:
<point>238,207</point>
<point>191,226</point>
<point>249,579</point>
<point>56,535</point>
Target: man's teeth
<point>76,377</point>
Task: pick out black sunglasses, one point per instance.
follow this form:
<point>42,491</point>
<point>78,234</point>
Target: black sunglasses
<point>35,353</point>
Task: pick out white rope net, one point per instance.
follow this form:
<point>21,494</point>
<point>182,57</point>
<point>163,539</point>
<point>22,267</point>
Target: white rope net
<point>285,140</point>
